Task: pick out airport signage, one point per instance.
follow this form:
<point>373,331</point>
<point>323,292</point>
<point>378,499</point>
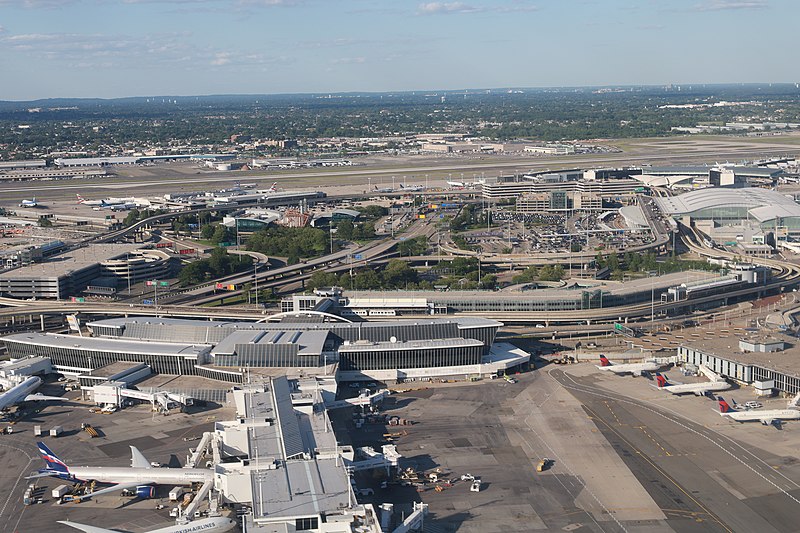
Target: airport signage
<point>147,302</point>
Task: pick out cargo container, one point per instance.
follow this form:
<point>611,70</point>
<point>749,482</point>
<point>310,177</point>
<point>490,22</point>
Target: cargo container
<point>176,493</point>
<point>56,431</point>
<point>60,491</point>
<point>37,431</point>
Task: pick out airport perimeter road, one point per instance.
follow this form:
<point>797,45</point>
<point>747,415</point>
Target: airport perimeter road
<point>701,479</point>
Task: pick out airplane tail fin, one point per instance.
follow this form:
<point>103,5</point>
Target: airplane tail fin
<point>80,198</point>
<point>723,405</point>
<point>604,361</point>
<point>661,380</point>
<point>53,462</point>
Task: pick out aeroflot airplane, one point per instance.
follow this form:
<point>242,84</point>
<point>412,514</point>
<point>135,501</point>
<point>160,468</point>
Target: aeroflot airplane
<point>206,525</point>
<point>636,369</point>
<point>140,476</point>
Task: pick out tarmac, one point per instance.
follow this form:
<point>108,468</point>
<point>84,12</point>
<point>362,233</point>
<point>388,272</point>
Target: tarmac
<point>160,438</point>
<point>625,457</point>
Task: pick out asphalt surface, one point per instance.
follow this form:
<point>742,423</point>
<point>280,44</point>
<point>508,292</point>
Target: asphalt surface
<point>701,479</point>
<point>160,438</point>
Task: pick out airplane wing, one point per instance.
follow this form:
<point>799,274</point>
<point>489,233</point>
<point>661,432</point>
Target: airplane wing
<point>42,398</point>
<point>116,488</point>
<point>767,421</point>
<point>138,460</point>
<point>85,528</point>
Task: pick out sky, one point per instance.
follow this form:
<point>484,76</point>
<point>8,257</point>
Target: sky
<point>107,49</point>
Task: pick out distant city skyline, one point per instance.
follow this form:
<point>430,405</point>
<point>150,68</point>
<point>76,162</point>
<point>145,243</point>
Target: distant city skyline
<point>94,48</point>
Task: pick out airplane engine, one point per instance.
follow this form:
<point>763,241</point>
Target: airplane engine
<point>145,492</point>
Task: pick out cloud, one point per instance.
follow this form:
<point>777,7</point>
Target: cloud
<point>349,61</point>
<point>731,5</point>
<point>451,8</point>
<point>170,50</point>
<point>437,8</point>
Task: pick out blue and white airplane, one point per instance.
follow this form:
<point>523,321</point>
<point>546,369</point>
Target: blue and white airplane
<point>140,476</point>
<point>217,524</point>
<point>29,203</point>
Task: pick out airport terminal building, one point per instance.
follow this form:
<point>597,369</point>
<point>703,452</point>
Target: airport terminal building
<point>225,351</point>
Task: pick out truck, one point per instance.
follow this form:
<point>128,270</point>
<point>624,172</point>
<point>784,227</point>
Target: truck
<point>60,491</point>
<point>55,431</point>
<point>175,493</point>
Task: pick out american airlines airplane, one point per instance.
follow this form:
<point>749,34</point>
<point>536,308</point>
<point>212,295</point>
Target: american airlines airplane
<point>22,393</point>
<point>768,417</point>
<point>140,476</point>
<point>635,369</point>
<point>206,525</point>
<point>412,188</point>
<point>699,389</point>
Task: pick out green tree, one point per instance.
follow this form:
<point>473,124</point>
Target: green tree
<point>44,222</point>
<point>345,229</point>
<point>207,232</point>
<point>321,278</point>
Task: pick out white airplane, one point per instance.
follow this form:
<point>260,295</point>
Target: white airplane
<point>635,369</point>
<point>412,188</point>
<point>140,476</point>
<point>22,393</point>
<point>699,389</point>
<point>384,190</point>
<point>29,203</point>
<point>107,203</point>
<point>456,184</point>
<point>768,417</point>
<point>206,525</point>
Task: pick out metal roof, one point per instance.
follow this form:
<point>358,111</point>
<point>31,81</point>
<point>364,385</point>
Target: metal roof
<point>752,198</point>
<point>410,345</point>
<point>119,346</point>
<point>290,427</point>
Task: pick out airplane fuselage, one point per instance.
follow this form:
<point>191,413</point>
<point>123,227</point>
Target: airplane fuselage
<point>697,388</point>
<point>764,415</point>
<point>145,476</point>
<point>18,393</point>
<point>631,368</point>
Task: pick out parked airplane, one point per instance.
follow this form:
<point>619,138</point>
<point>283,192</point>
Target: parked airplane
<point>206,525</point>
<point>29,203</point>
<point>108,203</point>
<point>384,190</point>
<point>140,476</point>
<point>457,184</point>
<point>22,393</point>
<point>412,188</point>
<point>765,416</point>
<point>699,389</point>
<point>635,369</point>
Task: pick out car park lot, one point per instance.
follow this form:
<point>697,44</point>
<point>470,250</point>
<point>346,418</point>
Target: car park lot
<point>160,438</point>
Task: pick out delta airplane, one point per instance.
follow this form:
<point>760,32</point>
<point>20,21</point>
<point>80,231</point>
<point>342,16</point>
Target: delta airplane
<point>206,525</point>
<point>22,393</point>
<point>768,417</point>
<point>29,203</point>
<point>635,369</point>
<point>140,476</point>
<point>699,389</point>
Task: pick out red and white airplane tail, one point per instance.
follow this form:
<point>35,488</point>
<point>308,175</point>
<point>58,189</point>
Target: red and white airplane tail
<point>723,405</point>
<point>604,361</point>
<point>273,187</point>
<point>661,380</point>
<point>80,198</point>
